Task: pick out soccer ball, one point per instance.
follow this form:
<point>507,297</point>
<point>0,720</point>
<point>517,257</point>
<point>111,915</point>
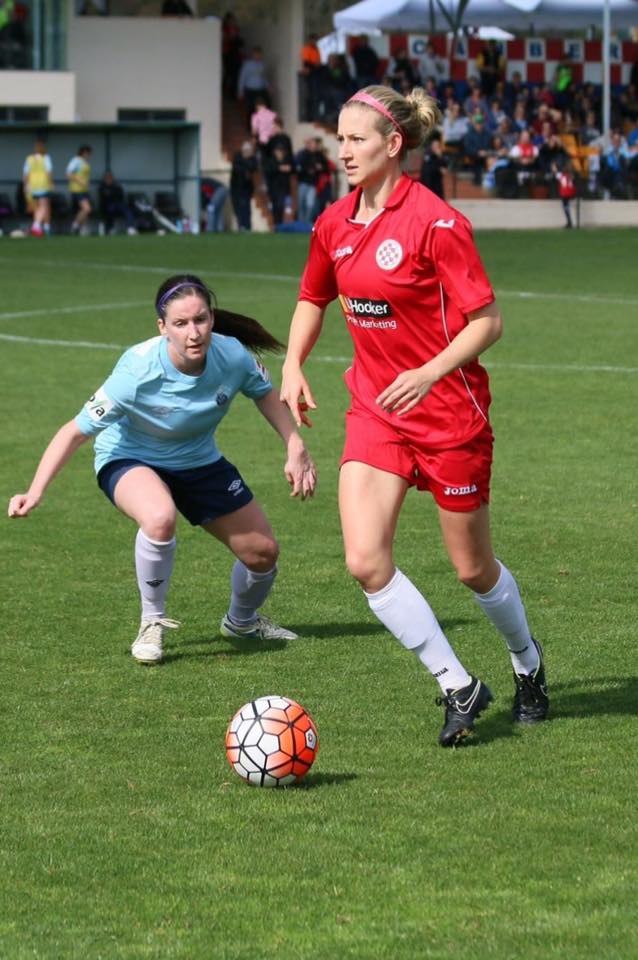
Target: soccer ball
<point>271,742</point>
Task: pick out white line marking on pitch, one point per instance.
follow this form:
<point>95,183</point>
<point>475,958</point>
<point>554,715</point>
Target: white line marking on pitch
<point>558,367</point>
<point>84,308</point>
<point>285,278</point>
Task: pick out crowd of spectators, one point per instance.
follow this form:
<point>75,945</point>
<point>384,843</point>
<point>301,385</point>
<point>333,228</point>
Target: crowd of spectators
<point>510,137</point>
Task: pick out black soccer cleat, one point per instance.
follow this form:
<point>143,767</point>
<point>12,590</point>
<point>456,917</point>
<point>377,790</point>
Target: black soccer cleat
<point>531,702</point>
<point>462,707</point>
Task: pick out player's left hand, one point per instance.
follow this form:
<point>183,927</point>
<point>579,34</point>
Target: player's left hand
<point>408,389</point>
<point>301,473</point>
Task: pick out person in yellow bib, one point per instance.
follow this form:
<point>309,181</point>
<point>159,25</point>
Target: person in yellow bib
<point>78,174</point>
<point>37,178</point>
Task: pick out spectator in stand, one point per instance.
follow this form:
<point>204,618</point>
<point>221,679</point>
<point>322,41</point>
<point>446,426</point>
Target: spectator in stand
<point>431,65</point>
<point>37,179</point>
<point>78,174</point>
<point>590,130</point>
<point>628,104</point>
<point>514,88</point>
<point>519,120</point>
<point>477,144</point>
<point>545,115</point>
<point>495,114</point>
<point>310,58</point>
<point>112,205</point>
<point>491,67</point>
<point>497,159</point>
<point>455,127</point>
<point>401,74</point>
<point>325,193</point>
<point>524,156</point>
<point>279,138</point>
<point>232,46</point>
<point>552,156</point>
<point>475,101</point>
<point>433,165</point>
<point>366,62</point>
<point>335,86</point>
<point>307,171</point>
<point>242,184</point>
<point>507,133</point>
<point>252,83</point>
<point>262,126</point>
<point>614,166</point>
<point>214,196</point>
<point>564,84</point>
<point>278,171</point>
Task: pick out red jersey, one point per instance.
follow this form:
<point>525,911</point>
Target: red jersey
<point>405,281</point>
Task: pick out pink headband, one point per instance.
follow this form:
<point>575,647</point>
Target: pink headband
<point>362,97</point>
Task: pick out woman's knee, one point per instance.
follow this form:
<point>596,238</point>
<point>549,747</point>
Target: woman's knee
<point>366,569</point>
<point>159,523</point>
<point>260,554</point>
<point>479,575</point>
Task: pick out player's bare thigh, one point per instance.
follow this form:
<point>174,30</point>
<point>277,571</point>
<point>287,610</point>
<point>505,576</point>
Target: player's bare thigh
<point>144,497</point>
<point>248,534</point>
<point>369,505</point>
<point>466,536</point>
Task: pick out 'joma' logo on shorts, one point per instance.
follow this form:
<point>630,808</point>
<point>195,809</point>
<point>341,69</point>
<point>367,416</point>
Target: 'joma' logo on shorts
<point>460,491</point>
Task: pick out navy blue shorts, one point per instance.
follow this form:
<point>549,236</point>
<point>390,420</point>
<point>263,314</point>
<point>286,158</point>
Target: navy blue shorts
<point>201,494</point>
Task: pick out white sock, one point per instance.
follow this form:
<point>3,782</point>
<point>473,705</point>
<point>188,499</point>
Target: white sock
<point>249,592</point>
<point>408,616</point>
<point>504,607</point>
<point>154,566</point>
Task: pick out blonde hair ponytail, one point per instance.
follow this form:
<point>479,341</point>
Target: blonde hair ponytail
<point>416,115</point>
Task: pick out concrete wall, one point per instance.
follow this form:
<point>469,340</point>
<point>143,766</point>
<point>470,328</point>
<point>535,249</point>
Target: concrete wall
<point>25,88</point>
<point>144,62</point>
<point>546,214</point>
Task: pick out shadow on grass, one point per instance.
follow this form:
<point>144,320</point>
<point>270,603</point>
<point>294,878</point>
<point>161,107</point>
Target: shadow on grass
<point>357,628</point>
<point>215,647</point>
<point>313,780</point>
<point>599,696</point>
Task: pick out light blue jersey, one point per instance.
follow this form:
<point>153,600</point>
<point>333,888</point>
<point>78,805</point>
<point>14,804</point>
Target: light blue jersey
<point>147,410</point>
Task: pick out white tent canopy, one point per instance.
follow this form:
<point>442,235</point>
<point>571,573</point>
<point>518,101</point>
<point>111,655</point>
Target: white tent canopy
<point>521,15</point>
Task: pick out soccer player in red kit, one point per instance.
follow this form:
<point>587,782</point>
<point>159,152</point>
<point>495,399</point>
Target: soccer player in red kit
<point>420,311</point>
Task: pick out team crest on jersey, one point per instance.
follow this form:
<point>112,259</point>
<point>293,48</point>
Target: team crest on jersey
<point>389,254</point>
<point>222,396</point>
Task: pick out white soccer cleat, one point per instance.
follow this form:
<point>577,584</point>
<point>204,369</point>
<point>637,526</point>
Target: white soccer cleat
<point>148,645</point>
<point>260,629</point>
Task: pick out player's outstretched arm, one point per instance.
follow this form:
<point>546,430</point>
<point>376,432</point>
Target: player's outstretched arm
<point>295,391</point>
<point>299,470</point>
<point>60,449</point>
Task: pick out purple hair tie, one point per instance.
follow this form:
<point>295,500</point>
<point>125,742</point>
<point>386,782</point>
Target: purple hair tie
<point>161,303</point>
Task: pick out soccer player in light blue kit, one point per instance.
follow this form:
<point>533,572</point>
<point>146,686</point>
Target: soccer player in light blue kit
<point>154,421</point>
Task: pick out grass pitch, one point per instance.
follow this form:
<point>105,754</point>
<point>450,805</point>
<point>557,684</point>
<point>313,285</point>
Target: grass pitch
<point>124,832</point>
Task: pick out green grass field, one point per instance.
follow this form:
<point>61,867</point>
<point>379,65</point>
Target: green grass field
<point>125,834</point>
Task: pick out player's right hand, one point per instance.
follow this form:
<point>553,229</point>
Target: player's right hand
<point>22,504</point>
<point>297,396</point>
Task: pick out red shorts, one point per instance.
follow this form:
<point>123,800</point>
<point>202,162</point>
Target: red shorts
<point>458,479</point>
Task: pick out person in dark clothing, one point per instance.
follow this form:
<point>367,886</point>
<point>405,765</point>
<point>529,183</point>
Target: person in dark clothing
<point>477,144</point>
<point>490,66</point>
<point>279,138</point>
<point>366,63</point>
<point>242,184</point>
<point>278,170</point>
<point>176,8</point>
<point>232,45</point>
<point>434,163</point>
<point>112,204</point>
